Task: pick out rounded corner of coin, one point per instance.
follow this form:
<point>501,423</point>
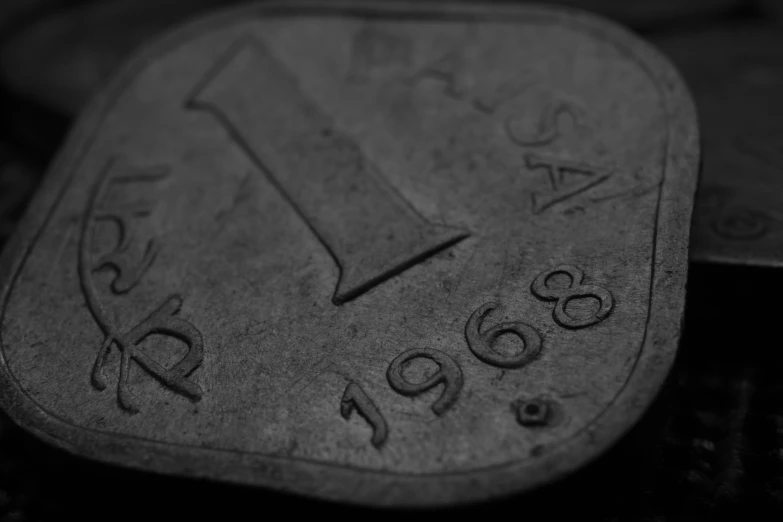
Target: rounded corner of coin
<point>240,252</point>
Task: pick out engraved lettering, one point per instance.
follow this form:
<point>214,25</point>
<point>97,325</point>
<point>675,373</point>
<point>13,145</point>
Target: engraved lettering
<point>128,272</point>
<point>480,343</point>
<point>446,71</point>
<point>575,290</point>
<point>162,321</point>
<point>489,102</point>
<point>741,224</point>
<point>355,398</point>
<point>376,50</point>
<point>366,225</point>
<point>567,179</point>
<point>449,374</point>
<point>548,129</point>
<point>450,72</point>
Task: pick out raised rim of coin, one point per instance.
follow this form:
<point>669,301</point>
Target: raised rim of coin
<point>334,481</point>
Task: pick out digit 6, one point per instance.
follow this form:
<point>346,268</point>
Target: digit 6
<point>480,343</point>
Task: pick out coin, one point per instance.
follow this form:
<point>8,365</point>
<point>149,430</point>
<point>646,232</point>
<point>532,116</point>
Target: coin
<point>736,77</point>
<point>770,8</point>
<point>412,254</point>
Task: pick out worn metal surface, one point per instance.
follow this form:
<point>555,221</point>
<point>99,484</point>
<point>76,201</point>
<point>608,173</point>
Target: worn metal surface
<point>62,59</point>
<point>736,76</point>
<point>394,255</point>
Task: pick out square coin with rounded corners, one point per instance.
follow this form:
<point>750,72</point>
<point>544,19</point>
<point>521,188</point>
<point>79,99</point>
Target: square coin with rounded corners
<point>413,254</point>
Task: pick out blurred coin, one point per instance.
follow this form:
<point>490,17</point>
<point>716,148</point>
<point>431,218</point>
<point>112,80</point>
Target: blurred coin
<point>772,8</point>
<point>736,74</point>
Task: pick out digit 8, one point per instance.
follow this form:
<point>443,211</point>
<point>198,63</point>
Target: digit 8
<point>574,290</point>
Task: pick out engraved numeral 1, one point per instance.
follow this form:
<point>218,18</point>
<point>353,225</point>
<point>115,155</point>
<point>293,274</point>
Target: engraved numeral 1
<point>369,229</point>
<point>355,398</point>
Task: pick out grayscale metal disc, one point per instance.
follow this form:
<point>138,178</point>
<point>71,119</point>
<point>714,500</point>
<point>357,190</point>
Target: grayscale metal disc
<point>736,76</point>
<point>402,255</point>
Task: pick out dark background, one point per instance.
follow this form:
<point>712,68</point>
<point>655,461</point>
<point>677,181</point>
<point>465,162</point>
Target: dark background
<point>711,447</point>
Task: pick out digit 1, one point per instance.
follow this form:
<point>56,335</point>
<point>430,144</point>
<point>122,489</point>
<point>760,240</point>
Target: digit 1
<point>369,229</point>
<point>355,398</point>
